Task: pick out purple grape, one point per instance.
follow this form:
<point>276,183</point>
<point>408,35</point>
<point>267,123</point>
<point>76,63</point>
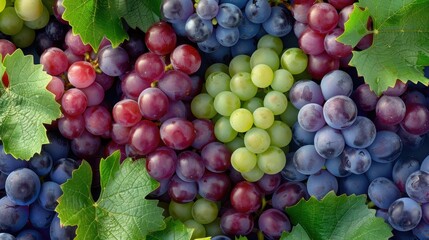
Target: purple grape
<point>336,83</point>
<point>288,194</point>
<point>176,85</point>
<point>404,214</point>
<point>216,157</point>
<point>273,222</point>
<point>305,91</point>
<point>22,186</point>
<point>214,186</point>
<point>417,186</point>
<point>161,163</point>
<point>356,160</point>
<point>329,142</point>
<point>320,183</point>
<point>113,61</point>
<point>310,117</point>
<point>181,191</point>
<point>383,192</point>
<point>307,161</point>
<point>360,134</point>
<point>353,184</point>
<point>340,112</point>
<point>386,147</point>
<point>190,166</point>
<point>403,168</point>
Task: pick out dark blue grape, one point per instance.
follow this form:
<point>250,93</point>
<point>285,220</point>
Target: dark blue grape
<point>22,186</point>
<point>248,29</point>
<point>29,234</point>
<point>56,30</point>
<point>229,15</point>
<point>383,192</point>
<point>421,231</point>
<point>404,214</point>
<point>379,170</point>
<point>258,11</point>
<point>319,184</point>
<point>239,3</point>
<point>336,167</point>
<point>62,170</point>
<point>403,167</point>
<point>9,163</point>
<point>41,163</point>
<point>58,232</point>
<point>280,22</point>
<point>49,195</point>
<point>329,142</point>
<point>361,133</point>
<point>302,137</point>
<point>58,146</point>
<point>13,217</point>
<point>386,147</point>
<point>227,37</point>
<point>353,184</point>
<point>289,172</point>
<point>39,217</point>
<point>7,236</point>
<point>417,186</point>
<point>176,10</point>
<point>209,45</point>
<point>244,47</point>
<point>197,29</point>
<point>356,160</point>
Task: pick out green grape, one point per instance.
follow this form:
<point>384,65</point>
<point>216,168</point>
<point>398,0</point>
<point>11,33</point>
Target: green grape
<point>265,56</point>
<point>216,67</point>
<point>217,82</point>
<point>280,134</point>
<point>270,41</point>
<point>213,228</point>
<point>29,10</point>
<point>180,211</point>
<point>243,160</point>
<point>24,38</point>
<point>49,5</point>
<point>240,63</point>
<point>41,22</point>
<point>241,120</point>
<point>253,175</point>
<point>226,102</point>
<point>263,117</point>
<point>290,116</point>
<point>276,102</point>
<point>272,161</point>
<point>283,80</point>
<point>223,130</point>
<point>294,60</point>
<point>10,22</point>
<point>199,230</point>
<point>253,103</point>
<point>238,142</point>
<point>262,75</point>
<point>204,211</point>
<point>202,106</point>
<point>241,84</point>
<point>257,140</point>
<point>2,5</point>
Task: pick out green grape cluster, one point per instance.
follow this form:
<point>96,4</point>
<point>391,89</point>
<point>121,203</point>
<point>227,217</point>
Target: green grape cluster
<point>20,18</point>
<point>248,103</point>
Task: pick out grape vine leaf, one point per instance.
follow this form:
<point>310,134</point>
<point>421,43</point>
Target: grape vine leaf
<point>400,46</point>
<point>298,233</point>
<point>95,19</point>
<point>25,105</point>
<point>121,212</point>
<point>175,230</point>
<point>336,217</point>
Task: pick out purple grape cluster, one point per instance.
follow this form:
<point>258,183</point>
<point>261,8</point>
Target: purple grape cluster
<point>220,27</point>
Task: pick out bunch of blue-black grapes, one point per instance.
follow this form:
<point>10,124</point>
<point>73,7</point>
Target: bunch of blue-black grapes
<point>29,191</point>
<point>222,27</point>
<point>349,140</point>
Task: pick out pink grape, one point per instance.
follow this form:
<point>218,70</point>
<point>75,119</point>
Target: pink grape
<point>56,86</point>
<point>54,61</point>
<point>186,59</point>
<point>177,133</point>
<point>119,133</point>
<point>126,113</point>
<point>144,137</point>
<point>74,102</point>
<point>132,85</point>
<point>161,163</point>
<point>312,42</point>
<point>75,44</point>
<point>153,103</point>
<point>71,127</point>
<point>81,74</point>
<point>94,94</point>
<point>98,121</point>
<point>322,17</point>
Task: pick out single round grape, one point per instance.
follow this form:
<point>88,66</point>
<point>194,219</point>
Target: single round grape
<point>404,214</point>
<point>241,120</point>
<point>22,186</point>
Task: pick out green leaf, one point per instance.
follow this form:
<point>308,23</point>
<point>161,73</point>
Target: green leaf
<point>241,238</point>
<point>121,212</point>
<point>355,27</point>
<point>175,230</point>
<point>298,233</point>
<point>337,217</point>
<point>25,105</point>
<point>400,46</point>
<point>95,19</point>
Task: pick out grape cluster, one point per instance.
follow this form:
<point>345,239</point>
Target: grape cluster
<point>349,140</point>
<point>317,26</point>
<point>219,26</point>
<point>23,21</point>
<point>30,190</point>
